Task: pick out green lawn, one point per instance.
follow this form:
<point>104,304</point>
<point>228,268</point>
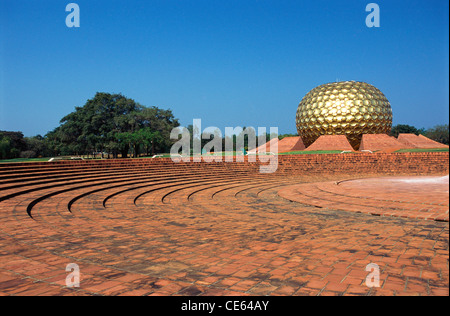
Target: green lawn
<point>168,155</point>
<point>312,152</point>
<point>421,150</point>
<point>24,160</point>
<point>250,154</point>
<point>36,159</point>
<point>413,150</point>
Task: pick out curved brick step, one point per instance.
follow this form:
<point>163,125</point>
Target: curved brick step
<point>46,191</point>
<point>91,175</point>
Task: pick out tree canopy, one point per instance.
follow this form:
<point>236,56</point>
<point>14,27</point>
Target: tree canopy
<point>11,144</point>
<point>439,133</point>
<point>405,129</point>
<point>113,124</point>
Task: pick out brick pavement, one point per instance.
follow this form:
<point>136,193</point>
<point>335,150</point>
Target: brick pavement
<point>158,228</point>
<point>411,197</point>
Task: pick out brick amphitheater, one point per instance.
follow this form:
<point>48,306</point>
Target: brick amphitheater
<point>155,227</point>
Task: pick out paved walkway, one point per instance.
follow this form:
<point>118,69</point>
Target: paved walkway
<point>408,197</point>
<point>221,232</point>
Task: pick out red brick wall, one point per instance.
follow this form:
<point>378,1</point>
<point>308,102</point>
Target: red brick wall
<point>350,163</point>
<point>381,163</point>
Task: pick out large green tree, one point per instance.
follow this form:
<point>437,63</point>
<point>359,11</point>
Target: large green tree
<point>439,133</point>
<point>112,123</point>
<point>5,147</point>
<point>405,129</point>
<point>11,144</point>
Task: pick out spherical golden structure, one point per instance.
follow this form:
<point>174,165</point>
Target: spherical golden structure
<point>343,108</point>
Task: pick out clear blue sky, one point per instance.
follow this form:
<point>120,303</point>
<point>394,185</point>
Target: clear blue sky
<point>229,62</point>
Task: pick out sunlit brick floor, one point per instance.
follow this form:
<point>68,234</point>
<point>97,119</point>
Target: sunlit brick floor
<point>175,232</point>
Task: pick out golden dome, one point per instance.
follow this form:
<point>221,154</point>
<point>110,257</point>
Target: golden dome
<point>343,108</point>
